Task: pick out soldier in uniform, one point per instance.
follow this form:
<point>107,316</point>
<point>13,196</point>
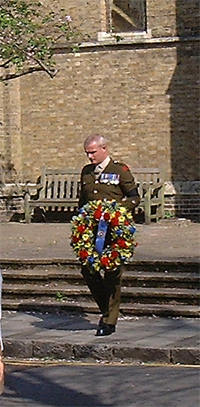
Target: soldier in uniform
<point>106,179</point>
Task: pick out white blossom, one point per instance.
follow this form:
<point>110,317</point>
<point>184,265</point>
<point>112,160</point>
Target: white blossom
<point>68,18</point>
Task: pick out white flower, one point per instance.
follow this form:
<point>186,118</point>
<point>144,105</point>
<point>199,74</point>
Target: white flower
<point>68,18</point>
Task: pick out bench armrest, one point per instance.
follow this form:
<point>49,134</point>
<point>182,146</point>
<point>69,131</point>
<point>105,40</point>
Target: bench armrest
<point>148,185</point>
<point>30,189</point>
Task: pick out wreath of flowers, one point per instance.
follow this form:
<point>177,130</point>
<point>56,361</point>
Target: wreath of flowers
<point>121,229</point>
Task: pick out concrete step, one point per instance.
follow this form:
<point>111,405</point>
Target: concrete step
<point>148,286</point>
<point>161,279</point>
<point>72,264</point>
<point>129,278</point>
<point>132,294</point>
<point>134,309</point>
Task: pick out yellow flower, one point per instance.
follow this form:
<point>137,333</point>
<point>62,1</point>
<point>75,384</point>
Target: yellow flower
<point>123,210</point>
<point>85,236</point>
<point>87,245</point>
<point>129,244</point>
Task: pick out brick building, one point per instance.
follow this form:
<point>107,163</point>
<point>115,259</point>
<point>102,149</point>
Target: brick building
<point>135,81</point>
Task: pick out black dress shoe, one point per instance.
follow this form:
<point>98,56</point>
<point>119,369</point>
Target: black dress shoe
<point>105,329</point>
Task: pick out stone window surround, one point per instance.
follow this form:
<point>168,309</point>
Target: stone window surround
<point>106,36</point>
<point>124,36</point>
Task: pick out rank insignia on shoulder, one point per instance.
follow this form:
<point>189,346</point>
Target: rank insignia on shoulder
<point>125,167</point>
<point>109,178</point>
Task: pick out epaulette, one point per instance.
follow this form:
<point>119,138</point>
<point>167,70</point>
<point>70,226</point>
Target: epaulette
<point>87,168</point>
<point>124,166</point>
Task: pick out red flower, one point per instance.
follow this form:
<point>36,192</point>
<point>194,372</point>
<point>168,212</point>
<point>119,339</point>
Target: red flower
<point>117,214</point>
<point>114,254</point>
<point>83,254</point>
<point>106,216</point>
<point>113,245</point>
<point>114,221</point>
<point>105,261</point>
<point>122,243</point>
<point>81,228</point>
<point>75,239</point>
<point>126,222</point>
<point>97,213</point>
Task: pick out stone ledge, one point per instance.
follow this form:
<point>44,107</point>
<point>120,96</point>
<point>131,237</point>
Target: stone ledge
<point>106,39</point>
<point>186,356</point>
<point>26,349</point>
<point>142,355</point>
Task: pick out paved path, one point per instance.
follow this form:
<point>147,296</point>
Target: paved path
<point>167,240</point>
<point>101,386</point>
<point>71,336</point>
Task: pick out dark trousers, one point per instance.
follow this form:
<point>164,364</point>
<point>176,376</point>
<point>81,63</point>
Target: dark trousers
<point>106,290</point>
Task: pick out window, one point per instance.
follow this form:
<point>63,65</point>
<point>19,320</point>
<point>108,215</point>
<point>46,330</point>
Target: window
<point>127,17</point>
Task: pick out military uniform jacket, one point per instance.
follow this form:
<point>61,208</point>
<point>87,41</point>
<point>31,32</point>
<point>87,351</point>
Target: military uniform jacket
<point>115,182</point>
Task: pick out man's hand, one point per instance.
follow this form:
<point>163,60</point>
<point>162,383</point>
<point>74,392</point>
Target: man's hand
<point>1,375</point>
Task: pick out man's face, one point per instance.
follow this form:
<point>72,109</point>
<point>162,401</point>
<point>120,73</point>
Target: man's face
<point>96,153</point>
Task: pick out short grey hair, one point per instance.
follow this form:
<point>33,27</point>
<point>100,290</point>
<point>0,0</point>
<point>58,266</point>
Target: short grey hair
<point>95,138</point>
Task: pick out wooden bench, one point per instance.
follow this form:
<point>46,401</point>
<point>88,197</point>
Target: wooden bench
<point>59,188</point>
<point>150,184</point>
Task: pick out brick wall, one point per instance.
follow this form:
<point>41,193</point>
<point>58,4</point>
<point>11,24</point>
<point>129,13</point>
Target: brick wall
<point>173,17</point>
<point>129,95</point>
<point>183,205</point>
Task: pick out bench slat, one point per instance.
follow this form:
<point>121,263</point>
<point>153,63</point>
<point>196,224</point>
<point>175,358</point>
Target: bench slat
<point>62,186</point>
<point>55,187</point>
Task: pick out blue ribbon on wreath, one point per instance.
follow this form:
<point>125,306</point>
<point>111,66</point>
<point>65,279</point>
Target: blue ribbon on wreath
<point>101,235</point>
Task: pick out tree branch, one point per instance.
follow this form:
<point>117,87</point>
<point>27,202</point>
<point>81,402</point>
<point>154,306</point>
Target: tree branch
<point>6,63</point>
<point>29,33</point>
<point>50,72</point>
<point>15,75</point>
